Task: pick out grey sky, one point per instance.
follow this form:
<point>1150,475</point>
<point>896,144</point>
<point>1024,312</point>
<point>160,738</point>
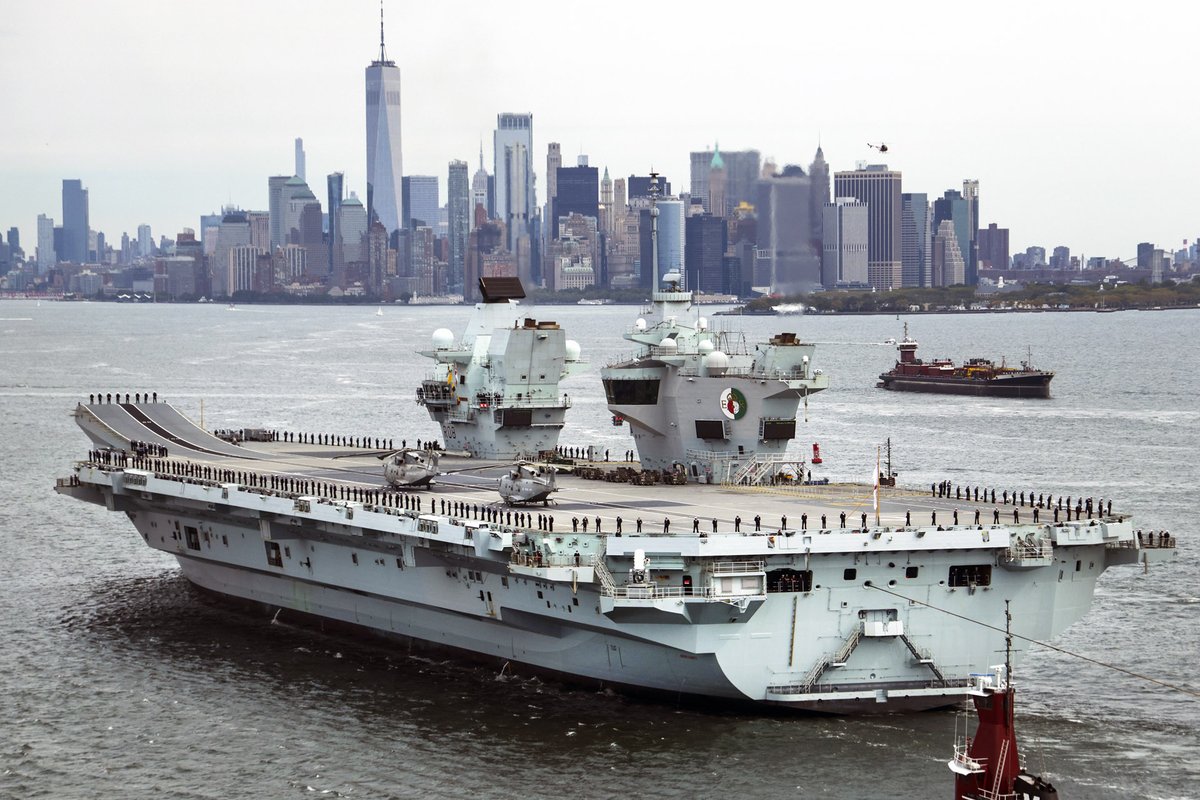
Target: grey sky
<point>1079,120</point>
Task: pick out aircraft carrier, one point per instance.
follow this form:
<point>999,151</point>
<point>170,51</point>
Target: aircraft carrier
<point>714,570</point>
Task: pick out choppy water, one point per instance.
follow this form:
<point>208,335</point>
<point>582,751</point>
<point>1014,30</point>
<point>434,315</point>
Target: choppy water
<point>116,679</point>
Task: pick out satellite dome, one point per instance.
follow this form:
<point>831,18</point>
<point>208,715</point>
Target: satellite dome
<point>640,325</point>
<point>705,346</point>
<point>443,339</point>
<point>573,350</point>
<point>668,344</point>
<point>702,323</point>
<point>716,361</point>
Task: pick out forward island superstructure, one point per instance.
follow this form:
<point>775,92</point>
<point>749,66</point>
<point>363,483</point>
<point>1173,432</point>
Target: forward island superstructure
<point>495,392</point>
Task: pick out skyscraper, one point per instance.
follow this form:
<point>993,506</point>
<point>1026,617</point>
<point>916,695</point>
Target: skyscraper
<point>741,174</point>
<point>275,207</point>
<point>513,148</point>
<point>845,243</point>
<point>818,173</point>
<point>954,207</point>
<point>606,203</point>
<point>45,243</point>
<point>145,247</point>
<point>553,162</point>
<point>458,219</point>
<point>672,237</point>
<point>706,239</point>
<point>946,263</point>
<point>914,239</point>
<point>742,171</point>
<point>334,191</point>
<point>785,239</point>
<point>421,201</point>
<point>232,231</point>
<point>700,163</point>
<point>993,247</point>
<point>300,168</point>
<point>481,194</point>
<point>352,230</point>
<point>971,195</point>
<point>879,188</point>
<point>75,222</point>
<point>578,192</point>
<point>717,182</point>
<point>384,167</point>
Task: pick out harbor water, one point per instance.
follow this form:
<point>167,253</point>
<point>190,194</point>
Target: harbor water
<point>118,679</point>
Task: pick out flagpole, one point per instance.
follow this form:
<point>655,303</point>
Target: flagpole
<point>877,484</point>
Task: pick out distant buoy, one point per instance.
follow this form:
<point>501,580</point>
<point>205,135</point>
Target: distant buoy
<point>816,459</point>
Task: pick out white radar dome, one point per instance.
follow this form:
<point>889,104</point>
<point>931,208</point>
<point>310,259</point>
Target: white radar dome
<point>705,346</point>
<point>640,324</point>
<point>716,361</point>
<point>668,344</point>
<point>443,339</point>
<point>702,323</point>
<point>573,350</point>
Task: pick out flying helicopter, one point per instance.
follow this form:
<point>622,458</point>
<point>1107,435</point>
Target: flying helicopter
<point>881,147</point>
<point>410,468</point>
<point>527,483</point>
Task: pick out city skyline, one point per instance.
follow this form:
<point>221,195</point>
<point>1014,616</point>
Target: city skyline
<point>193,114</point>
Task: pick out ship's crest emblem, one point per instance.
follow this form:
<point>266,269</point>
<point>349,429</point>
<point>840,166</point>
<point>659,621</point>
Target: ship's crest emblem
<point>733,403</point>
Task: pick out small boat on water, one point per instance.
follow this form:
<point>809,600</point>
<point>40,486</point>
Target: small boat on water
<point>977,376</point>
<point>987,766</point>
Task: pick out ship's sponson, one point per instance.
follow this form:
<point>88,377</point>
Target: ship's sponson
<point>840,620</point>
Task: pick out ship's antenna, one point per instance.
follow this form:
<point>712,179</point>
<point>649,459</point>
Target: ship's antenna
<point>1008,640</point>
<point>382,54</point>
<point>654,229</point>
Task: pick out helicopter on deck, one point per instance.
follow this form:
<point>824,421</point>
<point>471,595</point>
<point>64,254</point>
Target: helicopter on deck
<point>410,467</point>
<point>527,483</point>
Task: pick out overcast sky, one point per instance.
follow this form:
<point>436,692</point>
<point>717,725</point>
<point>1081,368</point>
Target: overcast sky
<point>1080,121</point>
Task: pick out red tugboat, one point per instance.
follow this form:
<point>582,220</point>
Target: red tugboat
<point>987,767</point>
<point>978,376</point>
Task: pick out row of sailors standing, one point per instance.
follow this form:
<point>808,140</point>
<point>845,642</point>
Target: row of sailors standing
<point>1091,506</point>
<point>339,440</point>
<point>98,398</point>
<point>1155,538</point>
<point>147,449</point>
<point>589,453</point>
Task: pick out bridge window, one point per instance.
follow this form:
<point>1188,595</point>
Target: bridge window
<point>274,557</point>
<point>776,429</point>
<point>710,429</point>
<point>971,575</point>
<point>789,580</point>
<point>631,392</point>
<point>193,537</point>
